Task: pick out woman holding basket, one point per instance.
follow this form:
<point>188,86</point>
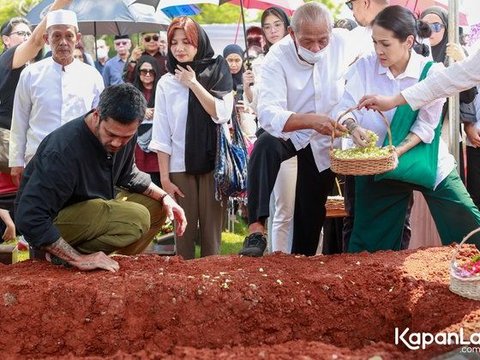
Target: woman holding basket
<point>425,164</point>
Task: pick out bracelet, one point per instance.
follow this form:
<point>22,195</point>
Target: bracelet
<point>162,197</point>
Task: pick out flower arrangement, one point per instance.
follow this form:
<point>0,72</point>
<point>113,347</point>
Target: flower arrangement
<point>469,269</point>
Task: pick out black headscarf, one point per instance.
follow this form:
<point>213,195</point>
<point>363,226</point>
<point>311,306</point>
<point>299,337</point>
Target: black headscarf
<point>278,12</point>
<point>439,51</point>
<point>201,132</point>
<point>138,83</point>
<point>235,49</point>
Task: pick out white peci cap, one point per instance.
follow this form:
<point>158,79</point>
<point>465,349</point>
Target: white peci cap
<point>62,17</point>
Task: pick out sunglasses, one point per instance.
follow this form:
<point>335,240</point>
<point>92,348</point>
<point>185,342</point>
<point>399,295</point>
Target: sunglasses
<point>149,38</point>
<point>21,33</point>
<point>118,43</point>
<point>146,72</point>
<point>436,27</point>
<point>350,4</point>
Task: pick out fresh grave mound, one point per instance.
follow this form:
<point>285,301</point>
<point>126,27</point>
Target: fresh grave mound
<point>278,306</point>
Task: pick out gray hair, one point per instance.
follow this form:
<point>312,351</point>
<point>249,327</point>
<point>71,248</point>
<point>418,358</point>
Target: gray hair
<point>311,13</point>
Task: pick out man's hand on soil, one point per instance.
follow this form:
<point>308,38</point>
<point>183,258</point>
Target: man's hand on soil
<point>94,261</point>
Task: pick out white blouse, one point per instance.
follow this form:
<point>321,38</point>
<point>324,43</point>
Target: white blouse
<point>170,119</point>
<point>368,76</point>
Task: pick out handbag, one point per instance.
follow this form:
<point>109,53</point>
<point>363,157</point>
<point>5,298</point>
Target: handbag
<point>231,159</point>
<point>419,164</point>
<point>468,112</point>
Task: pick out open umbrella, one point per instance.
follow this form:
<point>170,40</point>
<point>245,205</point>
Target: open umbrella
<point>153,3</point>
<point>114,17</point>
<point>417,6</point>
<point>171,11</point>
<point>288,5</point>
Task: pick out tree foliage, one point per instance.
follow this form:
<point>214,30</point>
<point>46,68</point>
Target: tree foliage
<point>228,13</point>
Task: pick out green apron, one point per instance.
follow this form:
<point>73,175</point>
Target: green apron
<point>419,164</point>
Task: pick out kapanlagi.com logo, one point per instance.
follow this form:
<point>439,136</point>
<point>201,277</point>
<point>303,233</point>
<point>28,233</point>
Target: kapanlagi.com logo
<point>421,340</point>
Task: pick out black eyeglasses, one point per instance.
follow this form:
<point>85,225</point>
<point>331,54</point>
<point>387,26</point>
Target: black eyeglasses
<point>349,4</point>
<point>21,33</point>
<point>436,27</point>
<point>146,72</point>
<point>149,38</point>
<point>118,43</point>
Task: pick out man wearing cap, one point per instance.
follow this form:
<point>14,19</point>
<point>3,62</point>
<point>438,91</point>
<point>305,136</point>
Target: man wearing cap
<point>113,70</point>
<point>21,45</point>
<point>150,46</point>
<point>51,92</point>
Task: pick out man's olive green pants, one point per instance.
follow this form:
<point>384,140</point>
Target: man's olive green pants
<point>126,224</point>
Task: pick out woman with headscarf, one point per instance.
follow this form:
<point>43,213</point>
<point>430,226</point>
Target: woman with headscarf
<point>233,54</point>
<point>437,18</point>
<point>192,99</point>
<point>146,76</point>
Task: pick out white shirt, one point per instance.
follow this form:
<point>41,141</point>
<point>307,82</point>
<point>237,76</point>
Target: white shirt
<point>457,77</point>
<point>170,119</point>
<point>368,76</point>
<point>46,98</point>
<point>289,85</point>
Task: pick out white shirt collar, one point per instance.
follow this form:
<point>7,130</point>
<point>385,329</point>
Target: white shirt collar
<point>68,67</point>
<point>413,69</point>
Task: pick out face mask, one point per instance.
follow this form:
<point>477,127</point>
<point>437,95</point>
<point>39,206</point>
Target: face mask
<point>310,56</point>
<point>102,53</point>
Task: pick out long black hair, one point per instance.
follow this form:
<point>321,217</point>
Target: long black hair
<point>403,23</point>
<point>138,83</point>
<point>279,13</point>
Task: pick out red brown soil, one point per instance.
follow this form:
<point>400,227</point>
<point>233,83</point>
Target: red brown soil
<point>275,307</point>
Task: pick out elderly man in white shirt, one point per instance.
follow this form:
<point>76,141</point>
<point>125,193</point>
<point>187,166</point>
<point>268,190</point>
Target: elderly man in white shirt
<point>302,80</point>
<point>51,92</point>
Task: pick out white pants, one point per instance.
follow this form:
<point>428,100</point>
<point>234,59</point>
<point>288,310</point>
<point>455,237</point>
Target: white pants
<point>282,207</point>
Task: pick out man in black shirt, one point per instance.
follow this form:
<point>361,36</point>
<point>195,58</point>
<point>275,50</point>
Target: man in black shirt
<point>68,203</point>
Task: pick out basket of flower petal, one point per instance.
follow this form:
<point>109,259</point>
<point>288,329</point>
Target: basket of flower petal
<point>368,160</point>
<point>465,275</point>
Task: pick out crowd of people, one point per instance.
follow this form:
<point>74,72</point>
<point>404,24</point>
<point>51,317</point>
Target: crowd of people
<point>101,152</point>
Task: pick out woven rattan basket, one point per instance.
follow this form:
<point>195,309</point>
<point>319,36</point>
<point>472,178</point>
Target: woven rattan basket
<point>467,287</point>
<point>372,166</point>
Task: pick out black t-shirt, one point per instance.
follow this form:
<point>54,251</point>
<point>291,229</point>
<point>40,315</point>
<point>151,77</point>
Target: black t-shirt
<point>71,166</point>
<point>8,84</point>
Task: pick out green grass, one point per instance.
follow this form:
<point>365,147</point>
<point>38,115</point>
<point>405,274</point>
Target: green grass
<point>231,241</point>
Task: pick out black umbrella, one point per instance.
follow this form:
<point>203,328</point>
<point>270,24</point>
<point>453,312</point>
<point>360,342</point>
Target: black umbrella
<point>115,17</point>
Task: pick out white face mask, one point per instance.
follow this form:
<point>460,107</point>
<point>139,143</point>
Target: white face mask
<point>310,56</point>
<point>102,53</point>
